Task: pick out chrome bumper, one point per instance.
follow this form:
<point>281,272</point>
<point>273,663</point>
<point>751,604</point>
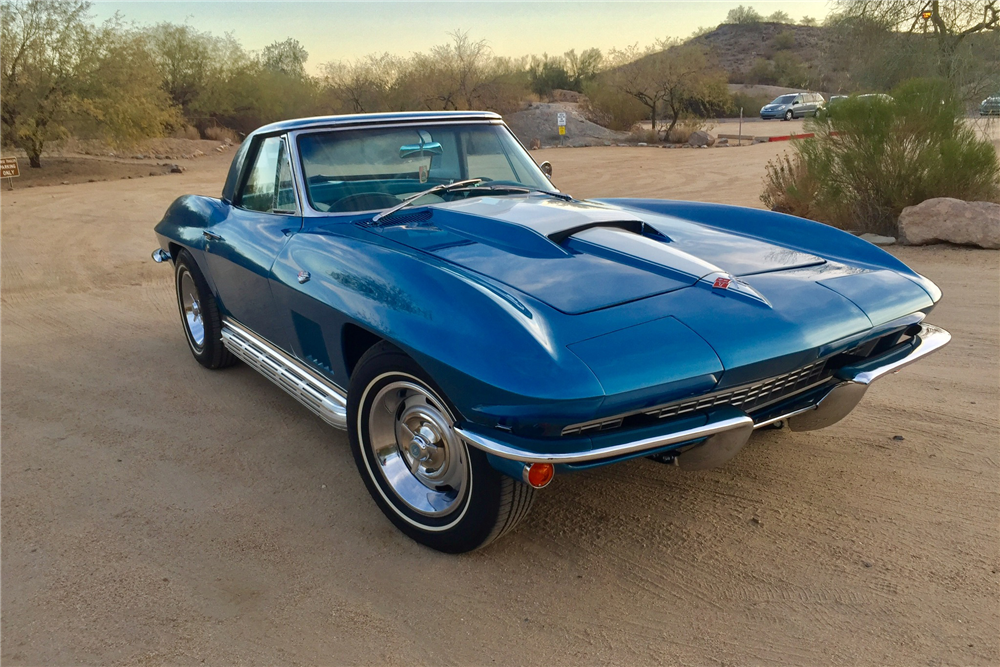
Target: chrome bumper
<point>722,437</point>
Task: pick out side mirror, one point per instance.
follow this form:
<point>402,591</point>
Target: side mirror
<point>546,168</point>
<point>795,102</point>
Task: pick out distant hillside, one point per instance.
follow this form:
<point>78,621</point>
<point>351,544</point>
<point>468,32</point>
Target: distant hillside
<point>738,47</point>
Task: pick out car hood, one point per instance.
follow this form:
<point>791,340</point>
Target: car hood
<point>583,256</point>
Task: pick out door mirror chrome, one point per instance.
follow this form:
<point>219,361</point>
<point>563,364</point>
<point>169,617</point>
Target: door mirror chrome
<point>546,168</point>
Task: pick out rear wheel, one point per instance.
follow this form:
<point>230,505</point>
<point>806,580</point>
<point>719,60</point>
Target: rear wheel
<point>422,475</point>
<point>199,314</point>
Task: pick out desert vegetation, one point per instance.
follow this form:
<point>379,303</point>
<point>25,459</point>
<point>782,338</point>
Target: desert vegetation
<point>877,155</point>
<point>61,74</point>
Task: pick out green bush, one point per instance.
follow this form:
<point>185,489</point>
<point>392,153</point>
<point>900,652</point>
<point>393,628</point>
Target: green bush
<point>878,155</point>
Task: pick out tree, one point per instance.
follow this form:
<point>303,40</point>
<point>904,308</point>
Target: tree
<point>185,59</point>
<point>667,79</point>
<point>949,22</point>
<point>287,57</point>
<point>38,46</point>
<point>56,68</point>
<point>779,17</point>
<point>885,42</point>
<point>808,20</point>
<point>583,68</point>
<point>743,16</point>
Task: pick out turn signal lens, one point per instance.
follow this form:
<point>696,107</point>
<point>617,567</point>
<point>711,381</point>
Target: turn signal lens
<point>539,475</point>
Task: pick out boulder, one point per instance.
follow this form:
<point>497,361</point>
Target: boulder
<point>701,138</point>
<point>950,220</point>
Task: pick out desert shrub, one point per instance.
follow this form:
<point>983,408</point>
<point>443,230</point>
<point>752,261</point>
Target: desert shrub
<point>683,130</point>
<point>784,40</point>
<point>219,133</point>
<point>789,187</point>
<point>643,135</point>
<point>877,155</point>
<point>612,108</point>
<point>186,132</point>
<point>751,105</point>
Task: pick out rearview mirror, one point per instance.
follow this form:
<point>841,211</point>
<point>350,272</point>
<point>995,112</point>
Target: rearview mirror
<point>546,168</point>
<point>419,150</point>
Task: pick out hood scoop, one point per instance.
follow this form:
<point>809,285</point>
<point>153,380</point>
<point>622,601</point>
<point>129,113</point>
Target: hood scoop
<point>578,256</point>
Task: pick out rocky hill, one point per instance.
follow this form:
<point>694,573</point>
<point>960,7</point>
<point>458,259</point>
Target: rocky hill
<point>737,48</point>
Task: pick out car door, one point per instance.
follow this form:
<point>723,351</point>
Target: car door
<point>242,248</point>
<point>798,106</point>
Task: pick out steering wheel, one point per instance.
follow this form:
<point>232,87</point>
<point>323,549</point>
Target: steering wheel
<point>364,201</point>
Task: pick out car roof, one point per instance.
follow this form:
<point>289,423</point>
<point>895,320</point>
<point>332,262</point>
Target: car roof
<point>374,119</point>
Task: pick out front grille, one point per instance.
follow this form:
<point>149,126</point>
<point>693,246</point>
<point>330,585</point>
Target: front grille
<point>747,398</point>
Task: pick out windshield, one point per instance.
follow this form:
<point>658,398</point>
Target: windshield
<point>784,99</point>
<point>376,168</point>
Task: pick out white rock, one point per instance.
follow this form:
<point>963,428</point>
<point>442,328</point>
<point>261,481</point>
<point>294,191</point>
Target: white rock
<point>701,138</point>
<point>950,220</point>
<point>879,240</point>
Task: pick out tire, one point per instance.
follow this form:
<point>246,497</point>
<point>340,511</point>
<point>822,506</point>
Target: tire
<point>452,500</point>
<point>789,115</point>
<point>200,316</point>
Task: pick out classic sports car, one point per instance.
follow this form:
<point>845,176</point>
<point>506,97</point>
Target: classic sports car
<point>416,279</point>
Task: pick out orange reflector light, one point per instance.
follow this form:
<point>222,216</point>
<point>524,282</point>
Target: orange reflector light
<point>539,475</point>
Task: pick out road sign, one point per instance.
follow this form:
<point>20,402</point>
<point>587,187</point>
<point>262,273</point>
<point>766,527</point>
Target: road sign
<point>562,129</point>
<point>8,167</point>
<point>561,119</point>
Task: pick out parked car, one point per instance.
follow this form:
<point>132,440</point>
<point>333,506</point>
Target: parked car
<point>837,100</point>
<point>416,279</point>
<point>990,106</point>
<point>793,105</point>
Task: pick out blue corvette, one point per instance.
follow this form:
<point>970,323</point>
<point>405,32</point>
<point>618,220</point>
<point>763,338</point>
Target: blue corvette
<point>416,279</point>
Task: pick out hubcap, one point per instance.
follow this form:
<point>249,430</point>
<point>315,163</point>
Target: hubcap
<point>416,450</point>
<point>191,309</point>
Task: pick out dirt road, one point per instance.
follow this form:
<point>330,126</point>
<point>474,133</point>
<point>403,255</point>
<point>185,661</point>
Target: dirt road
<point>154,512</point>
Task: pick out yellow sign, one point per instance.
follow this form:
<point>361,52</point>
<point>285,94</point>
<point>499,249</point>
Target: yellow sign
<point>8,167</point>
<point>562,129</point>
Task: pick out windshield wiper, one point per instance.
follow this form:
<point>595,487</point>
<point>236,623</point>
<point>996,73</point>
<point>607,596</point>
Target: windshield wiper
<point>521,188</point>
<point>412,198</point>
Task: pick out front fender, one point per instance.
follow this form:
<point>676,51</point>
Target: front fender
<point>492,351</point>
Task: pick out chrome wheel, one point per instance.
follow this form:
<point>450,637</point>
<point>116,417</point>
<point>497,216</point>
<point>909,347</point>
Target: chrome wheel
<point>416,450</point>
<point>191,310</point>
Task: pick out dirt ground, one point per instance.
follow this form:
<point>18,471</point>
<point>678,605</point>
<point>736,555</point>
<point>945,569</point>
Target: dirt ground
<point>158,513</point>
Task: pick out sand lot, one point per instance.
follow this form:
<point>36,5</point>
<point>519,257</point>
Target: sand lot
<point>154,512</point>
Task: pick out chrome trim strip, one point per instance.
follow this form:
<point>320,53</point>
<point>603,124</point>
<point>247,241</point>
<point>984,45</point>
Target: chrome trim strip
<point>317,394</point>
<point>789,415</point>
<point>930,339</point>
<point>505,451</point>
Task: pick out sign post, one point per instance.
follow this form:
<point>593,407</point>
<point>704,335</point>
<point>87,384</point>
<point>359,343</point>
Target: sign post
<point>561,121</point>
<point>9,170</point>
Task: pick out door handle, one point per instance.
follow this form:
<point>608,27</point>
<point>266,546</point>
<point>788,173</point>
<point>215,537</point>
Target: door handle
<point>209,236</point>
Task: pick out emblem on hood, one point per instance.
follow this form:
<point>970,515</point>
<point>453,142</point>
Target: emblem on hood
<point>735,286</point>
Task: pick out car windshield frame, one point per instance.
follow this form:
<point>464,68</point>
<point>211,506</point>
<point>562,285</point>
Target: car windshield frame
<point>789,96</point>
<point>512,150</point>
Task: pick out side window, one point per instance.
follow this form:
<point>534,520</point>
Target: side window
<point>269,186</point>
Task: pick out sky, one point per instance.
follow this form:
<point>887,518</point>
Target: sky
<point>348,30</point>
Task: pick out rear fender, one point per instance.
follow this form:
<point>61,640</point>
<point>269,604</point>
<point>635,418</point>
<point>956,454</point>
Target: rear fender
<point>184,225</point>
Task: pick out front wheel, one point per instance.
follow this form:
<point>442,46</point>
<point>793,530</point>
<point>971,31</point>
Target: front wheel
<point>422,475</point>
<point>199,314</point>
<point>789,115</point>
